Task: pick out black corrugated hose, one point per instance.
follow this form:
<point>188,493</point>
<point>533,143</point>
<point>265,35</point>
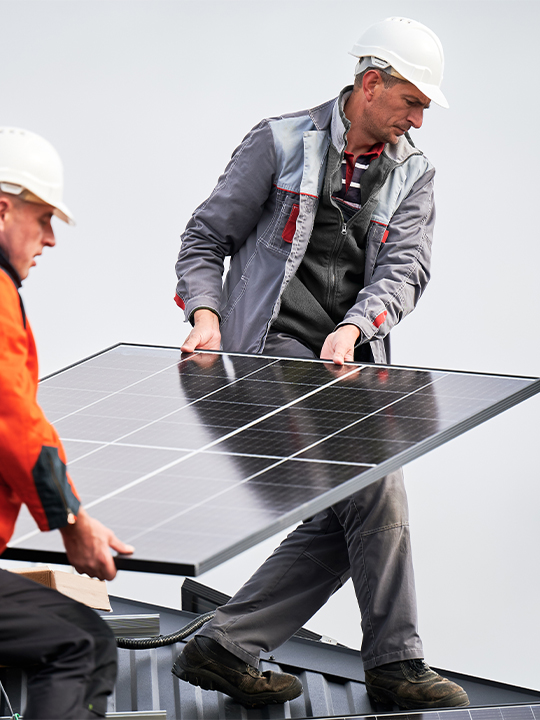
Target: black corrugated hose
<point>161,640</point>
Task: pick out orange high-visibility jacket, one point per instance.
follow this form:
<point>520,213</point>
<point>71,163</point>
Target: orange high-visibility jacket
<point>32,459</point>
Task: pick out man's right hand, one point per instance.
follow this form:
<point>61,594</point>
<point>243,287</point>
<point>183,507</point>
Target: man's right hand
<point>339,345</point>
<point>88,544</point>
<point>205,334</point>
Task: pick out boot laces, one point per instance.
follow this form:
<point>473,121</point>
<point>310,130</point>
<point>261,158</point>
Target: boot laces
<point>418,666</point>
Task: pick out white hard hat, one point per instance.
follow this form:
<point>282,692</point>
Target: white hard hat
<point>412,49</point>
<point>28,162</point>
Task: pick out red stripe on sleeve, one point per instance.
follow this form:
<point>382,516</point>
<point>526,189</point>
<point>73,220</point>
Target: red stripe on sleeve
<point>178,300</point>
<point>380,319</point>
<point>385,236</point>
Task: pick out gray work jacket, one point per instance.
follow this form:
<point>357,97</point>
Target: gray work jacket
<point>273,182</point>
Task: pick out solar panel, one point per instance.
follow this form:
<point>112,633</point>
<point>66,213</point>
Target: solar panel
<point>502,712</point>
<point>194,459</point>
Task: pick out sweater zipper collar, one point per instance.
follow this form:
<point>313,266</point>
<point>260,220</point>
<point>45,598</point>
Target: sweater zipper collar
<point>10,270</point>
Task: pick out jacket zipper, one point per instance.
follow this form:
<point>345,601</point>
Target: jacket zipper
<point>336,250</point>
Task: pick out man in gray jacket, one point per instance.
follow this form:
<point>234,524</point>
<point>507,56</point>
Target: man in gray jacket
<point>327,216</point>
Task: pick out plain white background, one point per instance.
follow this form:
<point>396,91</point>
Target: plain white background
<point>145,102</point>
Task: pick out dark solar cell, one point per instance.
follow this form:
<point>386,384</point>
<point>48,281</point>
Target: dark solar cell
<point>361,401</point>
<point>518,713</point>
<point>346,449</point>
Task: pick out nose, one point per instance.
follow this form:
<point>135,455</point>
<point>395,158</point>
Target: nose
<point>416,117</point>
<point>48,236</point>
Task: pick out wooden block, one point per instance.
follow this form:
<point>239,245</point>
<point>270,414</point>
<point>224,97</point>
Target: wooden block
<point>89,591</point>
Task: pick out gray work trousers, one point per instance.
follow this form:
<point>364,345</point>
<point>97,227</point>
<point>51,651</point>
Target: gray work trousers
<point>365,537</point>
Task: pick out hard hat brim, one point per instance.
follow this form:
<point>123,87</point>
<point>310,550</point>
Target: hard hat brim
<point>62,212</point>
<point>433,93</point>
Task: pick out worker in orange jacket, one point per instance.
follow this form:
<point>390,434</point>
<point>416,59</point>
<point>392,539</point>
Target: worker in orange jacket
<point>69,653</point>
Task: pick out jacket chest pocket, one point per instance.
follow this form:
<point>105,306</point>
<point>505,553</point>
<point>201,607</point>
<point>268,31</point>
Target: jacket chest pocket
<point>279,234</point>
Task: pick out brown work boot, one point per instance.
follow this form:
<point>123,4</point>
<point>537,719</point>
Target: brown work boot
<point>411,684</point>
<point>205,663</point>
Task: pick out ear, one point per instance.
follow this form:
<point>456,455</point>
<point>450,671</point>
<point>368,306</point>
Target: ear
<point>372,84</point>
<point>5,207</point>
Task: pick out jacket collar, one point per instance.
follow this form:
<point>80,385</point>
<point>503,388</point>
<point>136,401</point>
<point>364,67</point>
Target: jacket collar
<point>10,270</point>
<point>330,117</point>
<point>402,150</point>
<point>340,126</point>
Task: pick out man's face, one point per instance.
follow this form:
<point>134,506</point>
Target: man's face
<point>394,110</point>
<point>25,229</point>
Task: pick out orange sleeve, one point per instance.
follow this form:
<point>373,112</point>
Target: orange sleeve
<point>32,459</point>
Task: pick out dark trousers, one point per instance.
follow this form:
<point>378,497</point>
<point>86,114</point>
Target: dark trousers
<point>68,652</point>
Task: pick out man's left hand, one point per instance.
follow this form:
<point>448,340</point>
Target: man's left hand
<point>339,345</point>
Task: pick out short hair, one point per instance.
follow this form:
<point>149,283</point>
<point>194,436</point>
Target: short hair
<point>388,80</point>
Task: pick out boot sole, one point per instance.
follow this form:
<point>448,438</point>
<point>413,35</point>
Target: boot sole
<point>386,697</point>
<point>208,680</point>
